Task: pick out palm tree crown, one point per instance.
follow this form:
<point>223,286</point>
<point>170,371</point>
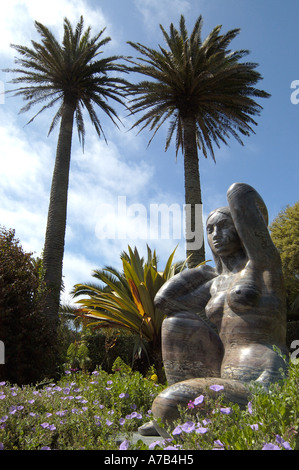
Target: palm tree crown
<point>198,79</point>
<point>205,92</point>
<point>68,72</point>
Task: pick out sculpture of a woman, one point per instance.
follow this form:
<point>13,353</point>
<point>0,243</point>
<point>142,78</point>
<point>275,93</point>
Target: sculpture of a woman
<point>223,322</point>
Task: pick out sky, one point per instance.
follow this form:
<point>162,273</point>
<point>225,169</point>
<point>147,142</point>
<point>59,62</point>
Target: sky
<point>116,187</point>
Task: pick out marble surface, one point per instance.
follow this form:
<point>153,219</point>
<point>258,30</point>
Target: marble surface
<point>222,322</point>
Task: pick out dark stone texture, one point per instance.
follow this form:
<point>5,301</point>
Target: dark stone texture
<point>223,322</point>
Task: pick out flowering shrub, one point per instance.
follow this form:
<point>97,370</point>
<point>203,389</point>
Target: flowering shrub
<point>79,412</point>
<point>269,422</point>
<point>92,411</point>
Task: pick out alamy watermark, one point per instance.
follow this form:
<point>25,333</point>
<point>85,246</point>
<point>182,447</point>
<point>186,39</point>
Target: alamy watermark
<point>295,354</point>
<point>295,94</point>
<point>158,221</point>
<point>2,353</point>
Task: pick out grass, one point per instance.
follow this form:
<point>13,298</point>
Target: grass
<point>89,411</point>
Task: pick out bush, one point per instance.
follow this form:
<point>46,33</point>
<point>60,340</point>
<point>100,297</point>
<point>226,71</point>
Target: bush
<point>100,411</point>
<point>81,411</point>
<point>22,330</point>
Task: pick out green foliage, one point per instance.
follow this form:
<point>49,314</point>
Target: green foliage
<point>21,300</point>
<point>127,299</point>
<point>285,235</point>
<point>270,421</point>
<point>100,411</point>
<point>81,411</point>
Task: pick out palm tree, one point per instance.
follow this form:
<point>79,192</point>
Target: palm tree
<point>205,92</point>
<point>125,300</point>
<point>72,75</point>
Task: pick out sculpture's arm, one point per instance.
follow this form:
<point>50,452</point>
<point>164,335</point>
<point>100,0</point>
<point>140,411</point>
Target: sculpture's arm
<point>187,291</point>
<point>250,217</point>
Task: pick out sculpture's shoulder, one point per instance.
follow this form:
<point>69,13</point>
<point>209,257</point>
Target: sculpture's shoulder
<point>182,284</point>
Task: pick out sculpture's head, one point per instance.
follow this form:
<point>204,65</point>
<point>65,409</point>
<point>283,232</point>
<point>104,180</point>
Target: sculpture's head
<point>221,232</point>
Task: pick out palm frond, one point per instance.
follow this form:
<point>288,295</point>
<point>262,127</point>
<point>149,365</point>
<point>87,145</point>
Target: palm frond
<point>71,71</point>
<point>199,79</point>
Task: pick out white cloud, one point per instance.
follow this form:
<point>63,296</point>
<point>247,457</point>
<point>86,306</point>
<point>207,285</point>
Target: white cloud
<point>24,183</point>
<point>17,18</point>
<point>155,12</point>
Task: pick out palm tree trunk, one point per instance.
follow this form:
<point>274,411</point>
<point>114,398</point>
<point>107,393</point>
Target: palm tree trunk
<point>56,223</point>
<point>194,226</point>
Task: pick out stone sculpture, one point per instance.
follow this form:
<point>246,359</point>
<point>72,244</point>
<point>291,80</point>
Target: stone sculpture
<point>222,323</point>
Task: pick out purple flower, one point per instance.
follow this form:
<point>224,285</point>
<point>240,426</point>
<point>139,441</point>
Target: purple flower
<point>52,427</point>
<point>269,446</point>
<point>124,445</point>
<point>3,419</point>
<point>226,410</point>
<point>201,430</point>
<point>219,445</point>
<point>1,443</point>
<point>122,421</point>
<point>206,421</point>
<point>95,372</point>
<point>154,444</point>
<point>121,395</point>
<point>175,447</point>
<point>189,426</point>
<point>254,426</point>
<point>177,431</point>
<point>45,425</point>
<point>249,407</point>
<point>283,443</point>
<point>190,404</point>
<point>216,387</point>
<point>199,400</point>
<point>2,383</point>
<point>108,422</point>
<point>46,448</point>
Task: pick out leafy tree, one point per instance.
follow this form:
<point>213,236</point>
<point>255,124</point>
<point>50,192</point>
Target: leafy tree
<point>72,75</point>
<point>126,300</point>
<point>285,235</point>
<point>28,355</point>
<point>205,91</point>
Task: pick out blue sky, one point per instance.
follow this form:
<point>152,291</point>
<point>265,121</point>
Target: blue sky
<point>126,169</point>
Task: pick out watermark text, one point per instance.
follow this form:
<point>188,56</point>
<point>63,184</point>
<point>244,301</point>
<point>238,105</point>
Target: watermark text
<point>295,94</point>
<point>158,221</point>
<point>2,353</point>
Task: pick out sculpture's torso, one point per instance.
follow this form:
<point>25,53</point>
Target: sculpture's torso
<point>250,319</point>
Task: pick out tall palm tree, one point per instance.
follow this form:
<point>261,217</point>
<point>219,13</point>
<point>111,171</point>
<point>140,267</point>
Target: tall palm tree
<point>72,75</point>
<point>205,92</point>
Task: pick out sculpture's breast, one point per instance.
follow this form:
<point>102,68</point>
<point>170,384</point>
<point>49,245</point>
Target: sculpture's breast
<point>243,296</point>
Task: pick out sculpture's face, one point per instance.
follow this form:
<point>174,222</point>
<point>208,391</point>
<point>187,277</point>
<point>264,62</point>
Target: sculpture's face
<point>222,235</point>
